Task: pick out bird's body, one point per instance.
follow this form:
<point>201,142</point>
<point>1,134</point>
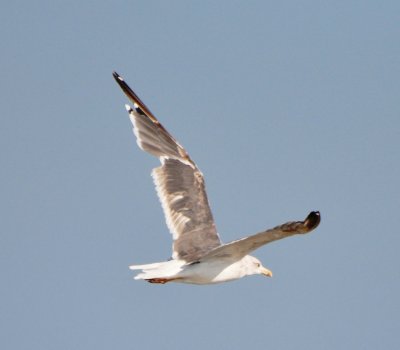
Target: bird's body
<point>198,257</point>
<point>209,271</point>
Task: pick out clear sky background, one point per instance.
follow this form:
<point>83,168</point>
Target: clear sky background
<point>286,107</point>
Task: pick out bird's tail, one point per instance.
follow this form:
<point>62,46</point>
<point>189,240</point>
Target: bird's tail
<point>157,270</point>
<point>145,266</point>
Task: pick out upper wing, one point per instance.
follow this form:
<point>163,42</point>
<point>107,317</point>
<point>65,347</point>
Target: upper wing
<point>244,246</point>
<point>179,183</point>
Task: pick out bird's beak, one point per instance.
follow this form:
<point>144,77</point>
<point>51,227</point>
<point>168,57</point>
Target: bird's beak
<point>265,271</point>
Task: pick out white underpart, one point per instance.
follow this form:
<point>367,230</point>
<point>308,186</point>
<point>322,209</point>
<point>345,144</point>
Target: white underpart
<point>206,272</point>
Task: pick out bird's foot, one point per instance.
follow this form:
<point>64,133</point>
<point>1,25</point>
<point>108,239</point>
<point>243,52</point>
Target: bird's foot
<point>159,280</point>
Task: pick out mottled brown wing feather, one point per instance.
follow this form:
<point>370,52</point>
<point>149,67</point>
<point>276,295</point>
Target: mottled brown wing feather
<point>179,183</point>
<point>183,197</point>
<point>244,246</point>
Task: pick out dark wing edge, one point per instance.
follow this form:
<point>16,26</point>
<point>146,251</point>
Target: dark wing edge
<point>133,97</point>
<point>151,135</point>
<point>244,246</point>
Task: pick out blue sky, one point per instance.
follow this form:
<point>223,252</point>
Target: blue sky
<point>286,107</point>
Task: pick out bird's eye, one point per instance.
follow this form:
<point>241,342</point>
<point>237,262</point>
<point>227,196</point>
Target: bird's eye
<point>258,264</point>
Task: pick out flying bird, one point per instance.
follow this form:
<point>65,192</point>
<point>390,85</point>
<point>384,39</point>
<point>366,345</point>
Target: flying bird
<point>198,255</point>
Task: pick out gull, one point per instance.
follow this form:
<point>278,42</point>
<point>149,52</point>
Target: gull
<point>198,255</point>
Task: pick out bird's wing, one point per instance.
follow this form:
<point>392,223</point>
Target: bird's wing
<point>240,248</point>
<point>179,183</point>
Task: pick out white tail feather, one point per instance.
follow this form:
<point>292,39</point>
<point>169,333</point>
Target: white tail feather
<point>164,269</point>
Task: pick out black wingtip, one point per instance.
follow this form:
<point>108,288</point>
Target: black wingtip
<point>124,86</point>
<point>117,77</point>
<point>138,104</point>
<point>312,220</point>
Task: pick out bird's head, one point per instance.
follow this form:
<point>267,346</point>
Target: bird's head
<point>254,267</point>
